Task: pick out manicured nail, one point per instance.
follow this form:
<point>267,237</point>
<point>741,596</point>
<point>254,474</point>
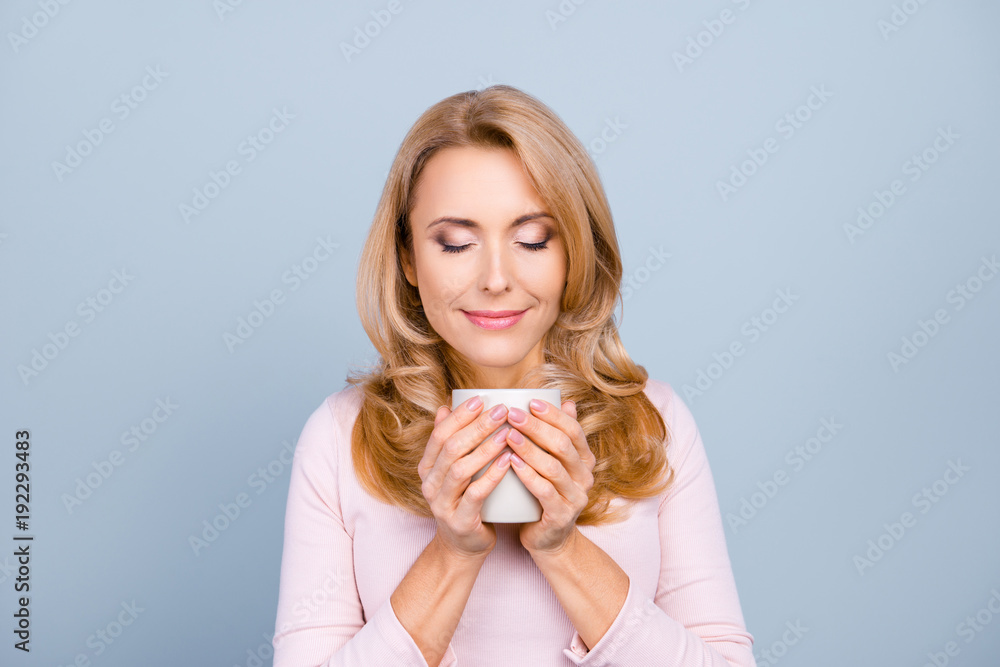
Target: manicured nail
<point>516,437</point>
<point>474,403</point>
<point>503,460</point>
<point>516,415</point>
<point>501,434</point>
<point>497,412</point>
<point>516,461</point>
<point>537,405</point>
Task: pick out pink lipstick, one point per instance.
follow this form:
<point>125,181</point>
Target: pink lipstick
<point>494,319</point>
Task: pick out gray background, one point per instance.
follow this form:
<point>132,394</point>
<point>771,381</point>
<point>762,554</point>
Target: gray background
<point>681,129</point>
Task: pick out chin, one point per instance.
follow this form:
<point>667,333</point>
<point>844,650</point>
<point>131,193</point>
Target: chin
<point>498,360</point>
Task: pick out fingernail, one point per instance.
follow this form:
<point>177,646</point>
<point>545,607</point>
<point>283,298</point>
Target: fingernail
<point>475,402</point>
<point>497,412</point>
<point>516,437</point>
<point>516,415</point>
<point>504,460</point>
<point>537,405</point>
<point>501,434</point>
<point>516,461</point>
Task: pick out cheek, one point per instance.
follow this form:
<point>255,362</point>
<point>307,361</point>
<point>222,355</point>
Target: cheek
<point>546,281</point>
<point>451,289</point>
<point>445,286</point>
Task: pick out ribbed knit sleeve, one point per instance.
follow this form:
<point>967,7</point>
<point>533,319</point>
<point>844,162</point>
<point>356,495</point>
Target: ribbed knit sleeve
<point>320,619</point>
<point>695,619</point>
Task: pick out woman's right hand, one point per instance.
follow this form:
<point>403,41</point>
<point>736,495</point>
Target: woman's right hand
<point>452,456</point>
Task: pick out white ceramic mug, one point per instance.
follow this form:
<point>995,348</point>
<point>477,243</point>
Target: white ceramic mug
<point>510,501</point>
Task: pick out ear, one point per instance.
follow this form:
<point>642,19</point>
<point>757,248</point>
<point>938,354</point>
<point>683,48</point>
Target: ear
<point>408,270</point>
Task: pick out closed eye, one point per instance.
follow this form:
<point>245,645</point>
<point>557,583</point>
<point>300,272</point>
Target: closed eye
<point>534,247</point>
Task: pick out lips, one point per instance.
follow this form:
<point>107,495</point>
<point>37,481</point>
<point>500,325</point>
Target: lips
<point>494,319</point>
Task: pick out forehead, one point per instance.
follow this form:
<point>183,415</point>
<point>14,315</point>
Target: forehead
<point>466,179</point>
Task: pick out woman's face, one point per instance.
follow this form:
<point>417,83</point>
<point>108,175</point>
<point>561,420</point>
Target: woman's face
<point>483,242</point>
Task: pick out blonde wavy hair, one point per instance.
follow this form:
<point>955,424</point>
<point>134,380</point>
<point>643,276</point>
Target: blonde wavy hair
<point>584,356</point>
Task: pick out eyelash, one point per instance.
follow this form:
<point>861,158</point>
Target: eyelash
<point>534,247</point>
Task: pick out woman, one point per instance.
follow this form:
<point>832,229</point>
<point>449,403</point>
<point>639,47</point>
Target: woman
<point>492,261</point>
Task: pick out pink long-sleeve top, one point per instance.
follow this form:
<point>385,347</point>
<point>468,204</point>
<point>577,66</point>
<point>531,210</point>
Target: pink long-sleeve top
<point>345,552</point>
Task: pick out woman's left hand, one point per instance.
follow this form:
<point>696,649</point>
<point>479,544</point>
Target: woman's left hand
<point>555,463</point>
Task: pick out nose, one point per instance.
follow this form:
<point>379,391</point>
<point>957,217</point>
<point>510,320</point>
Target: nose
<point>496,273</point>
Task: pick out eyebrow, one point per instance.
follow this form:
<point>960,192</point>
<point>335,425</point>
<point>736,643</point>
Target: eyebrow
<point>472,224</point>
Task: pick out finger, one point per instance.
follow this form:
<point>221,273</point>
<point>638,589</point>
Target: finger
<point>559,434</point>
<point>445,425</point>
<point>470,506</point>
<point>586,455</point>
<point>579,439</point>
<point>442,412</point>
<point>549,467</point>
<point>431,449</point>
<point>557,506</point>
<point>463,441</point>
<point>459,476</point>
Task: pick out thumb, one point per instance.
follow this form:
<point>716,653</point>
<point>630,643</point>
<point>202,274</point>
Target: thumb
<point>442,412</point>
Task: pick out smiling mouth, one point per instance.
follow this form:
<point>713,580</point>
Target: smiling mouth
<point>494,319</point>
